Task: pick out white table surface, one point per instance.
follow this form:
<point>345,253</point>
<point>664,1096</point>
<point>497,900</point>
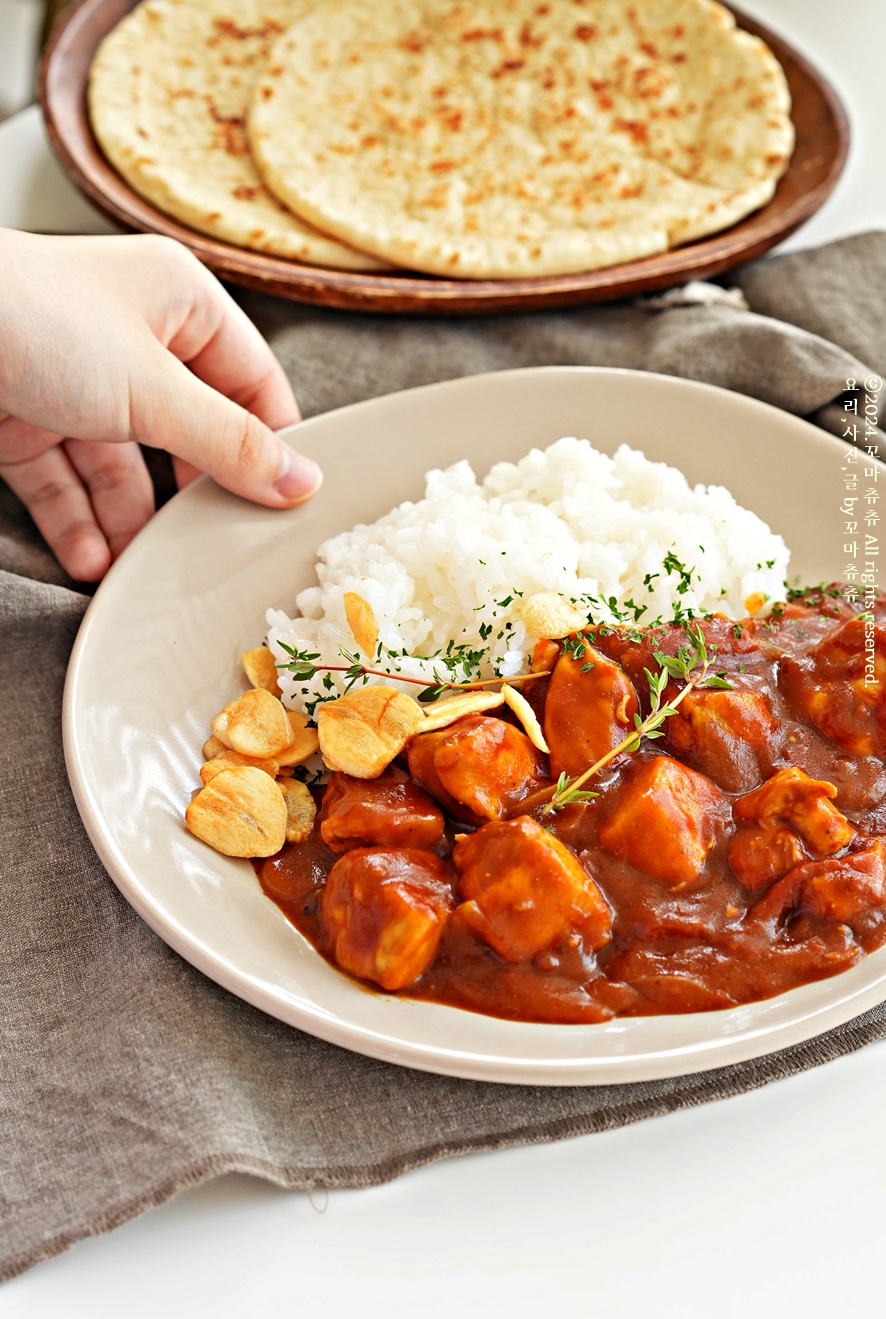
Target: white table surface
<point>770,1204</point>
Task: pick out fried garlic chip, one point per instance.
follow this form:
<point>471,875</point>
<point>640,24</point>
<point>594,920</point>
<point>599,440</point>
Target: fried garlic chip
<point>362,732</point>
<point>443,713</point>
<point>233,760</point>
<point>362,622</point>
<point>260,669</point>
<point>517,702</point>
<point>300,810</point>
<point>241,812</point>
<point>255,725</point>
<point>214,748</point>
<point>551,615</point>
<point>304,741</point>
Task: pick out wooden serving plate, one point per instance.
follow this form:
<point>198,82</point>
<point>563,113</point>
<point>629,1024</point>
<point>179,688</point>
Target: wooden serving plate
<point>822,141</point>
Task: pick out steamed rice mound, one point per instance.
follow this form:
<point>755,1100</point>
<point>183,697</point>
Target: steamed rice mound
<point>629,538</point>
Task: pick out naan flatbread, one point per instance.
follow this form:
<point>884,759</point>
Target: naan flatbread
<point>169,92</point>
<point>498,138</point>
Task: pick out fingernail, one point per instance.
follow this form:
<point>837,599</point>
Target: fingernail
<point>299,477</point>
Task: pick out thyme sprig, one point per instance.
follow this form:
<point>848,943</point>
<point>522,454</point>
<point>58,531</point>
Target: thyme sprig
<point>565,795</point>
<point>302,665</point>
<point>690,666</point>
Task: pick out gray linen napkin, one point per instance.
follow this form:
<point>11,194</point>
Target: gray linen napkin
<point>125,1075</point>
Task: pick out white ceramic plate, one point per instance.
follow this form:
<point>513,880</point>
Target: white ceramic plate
<point>158,651</point>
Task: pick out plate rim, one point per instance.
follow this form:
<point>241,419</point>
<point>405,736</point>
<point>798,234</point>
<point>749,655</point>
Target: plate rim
<point>572,1069</point>
<point>424,294</point>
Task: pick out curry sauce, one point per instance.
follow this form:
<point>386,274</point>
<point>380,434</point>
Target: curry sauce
<point>736,856</point>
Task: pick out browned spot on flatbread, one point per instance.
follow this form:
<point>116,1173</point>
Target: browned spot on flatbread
<point>414,42</point>
<point>530,39</point>
<point>508,66</point>
<point>226,27</point>
<point>636,130</point>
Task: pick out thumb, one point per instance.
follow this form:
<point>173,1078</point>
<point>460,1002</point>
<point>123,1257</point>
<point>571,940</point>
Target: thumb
<point>172,409</point>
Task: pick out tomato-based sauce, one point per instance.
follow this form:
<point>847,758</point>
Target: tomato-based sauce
<point>740,854</point>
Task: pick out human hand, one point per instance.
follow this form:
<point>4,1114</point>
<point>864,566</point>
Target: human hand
<point>108,343</point>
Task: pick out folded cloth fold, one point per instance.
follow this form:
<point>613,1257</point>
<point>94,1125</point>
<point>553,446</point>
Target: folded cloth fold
<point>815,320</point>
<point>125,1075</point>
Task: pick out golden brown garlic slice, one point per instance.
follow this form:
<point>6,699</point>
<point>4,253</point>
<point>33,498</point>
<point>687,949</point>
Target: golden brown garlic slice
<point>260,669</point>
<point>304,741</point>
<point>446,711</point>
<point>362,732</point>
<point>517,702</point>
<point>362,621</point>
<point>255,725</point>
<point>213,747</point>
<point>233,760</point>
<point>550,615</point>
<point>241,812</point>
<point>300,810</point>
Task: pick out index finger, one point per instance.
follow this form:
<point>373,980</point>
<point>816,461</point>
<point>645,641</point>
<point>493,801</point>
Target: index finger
<point>219,343</point>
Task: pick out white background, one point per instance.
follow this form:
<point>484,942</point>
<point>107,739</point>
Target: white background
<point>770,1204</point>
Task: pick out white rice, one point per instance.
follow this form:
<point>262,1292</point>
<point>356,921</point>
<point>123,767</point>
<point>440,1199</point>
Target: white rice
<point>454,567</point>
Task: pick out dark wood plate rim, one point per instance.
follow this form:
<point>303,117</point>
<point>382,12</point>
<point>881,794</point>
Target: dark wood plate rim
<point>62,95</point>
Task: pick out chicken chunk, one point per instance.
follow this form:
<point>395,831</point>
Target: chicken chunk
<point>825,601</point>
<point>589,709</point>
<point>841,686</point>
<point>383,912</point>
<point>664,821</point>
<point>792,797</point>
<point>731,736</point>
<point>759,855</point>
<point>390,811</point>
<point>478,768</point>
<point>787,820</point>
<point>635,652</point>
<point>524,891</point>
<point>545,654</point>
<point>841,889</point>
